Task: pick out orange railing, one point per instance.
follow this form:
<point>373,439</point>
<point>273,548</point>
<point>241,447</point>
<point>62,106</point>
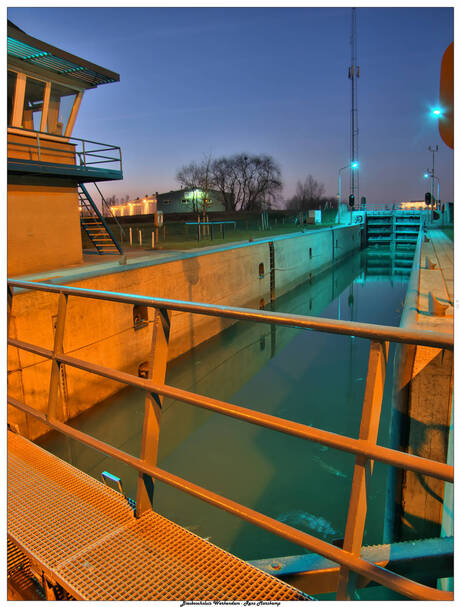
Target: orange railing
<point>43,147</point>
<point>365,447</point>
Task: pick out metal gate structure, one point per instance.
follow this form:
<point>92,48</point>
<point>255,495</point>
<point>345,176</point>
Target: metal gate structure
<point>365,448</point>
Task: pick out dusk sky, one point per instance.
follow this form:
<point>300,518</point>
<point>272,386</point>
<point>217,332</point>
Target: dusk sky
<point>200,81</point>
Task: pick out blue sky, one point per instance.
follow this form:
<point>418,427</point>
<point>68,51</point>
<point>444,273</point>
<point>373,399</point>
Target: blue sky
<point>200,81</point>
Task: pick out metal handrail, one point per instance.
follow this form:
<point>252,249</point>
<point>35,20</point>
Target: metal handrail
<point>326,325</point>
<point>96,213</point>
<point>75,141</point>
<point>359,447</point>
<point>109,208</point>
<point>356,446</point>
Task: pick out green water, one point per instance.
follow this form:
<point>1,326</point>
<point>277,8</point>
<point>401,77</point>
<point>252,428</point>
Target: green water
<point>312,378</point>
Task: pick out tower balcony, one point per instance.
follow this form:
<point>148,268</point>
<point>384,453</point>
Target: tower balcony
<point>36,153</point>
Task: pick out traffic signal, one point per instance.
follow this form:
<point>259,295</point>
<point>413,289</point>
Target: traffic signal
<point>363,201</point>
<point>351,200</point>
<point>428,198</point>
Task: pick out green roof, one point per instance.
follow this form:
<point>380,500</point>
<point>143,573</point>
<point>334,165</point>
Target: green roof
<point>35,52</point>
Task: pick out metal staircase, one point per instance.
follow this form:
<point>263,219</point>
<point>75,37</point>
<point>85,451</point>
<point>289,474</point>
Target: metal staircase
<point>95,225</point>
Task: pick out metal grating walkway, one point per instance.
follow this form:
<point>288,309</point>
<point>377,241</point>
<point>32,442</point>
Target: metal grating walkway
<point>84,536</point>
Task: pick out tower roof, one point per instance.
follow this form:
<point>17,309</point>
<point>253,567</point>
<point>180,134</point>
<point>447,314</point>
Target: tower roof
<point>32,51</point>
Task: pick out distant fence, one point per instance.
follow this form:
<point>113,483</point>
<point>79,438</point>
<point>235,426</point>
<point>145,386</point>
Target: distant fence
<point>175,228</point>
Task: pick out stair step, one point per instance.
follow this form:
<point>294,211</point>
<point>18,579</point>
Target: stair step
<point>95,226</point>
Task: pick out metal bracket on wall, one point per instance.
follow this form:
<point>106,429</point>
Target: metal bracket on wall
<point>271,247</point>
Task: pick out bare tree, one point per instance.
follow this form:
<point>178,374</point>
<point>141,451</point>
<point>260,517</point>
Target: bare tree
<point>247,183</point>
<point>112,200</point>
<point>309,195</point>
<point>225,180</point>
<point>198,176</point>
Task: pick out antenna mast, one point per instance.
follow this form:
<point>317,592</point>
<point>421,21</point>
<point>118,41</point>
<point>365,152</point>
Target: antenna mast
<point>353,75</point>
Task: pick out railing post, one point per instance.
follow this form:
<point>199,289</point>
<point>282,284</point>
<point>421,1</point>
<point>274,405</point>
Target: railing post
<point>368,431</point>
<point>38,147</point>
<point>55,395</point>
<point>153,406</point>
<point>84,157</point>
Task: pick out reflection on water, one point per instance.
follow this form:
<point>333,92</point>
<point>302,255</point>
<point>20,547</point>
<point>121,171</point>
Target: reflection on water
<point>308,377</point>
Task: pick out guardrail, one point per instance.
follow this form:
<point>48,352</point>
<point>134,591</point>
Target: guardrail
<point>109,213</point>
<point>365,448</point>
<point>84,153</point>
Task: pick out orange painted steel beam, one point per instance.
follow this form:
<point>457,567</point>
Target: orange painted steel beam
<point>362,473</point>
<point>330,439</point>
<point>325,325</point>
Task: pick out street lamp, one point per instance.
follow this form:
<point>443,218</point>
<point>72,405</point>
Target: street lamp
<point>429,174</point>
<point>352,165</point>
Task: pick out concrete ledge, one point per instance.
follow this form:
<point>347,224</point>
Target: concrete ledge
<point>422,396</point>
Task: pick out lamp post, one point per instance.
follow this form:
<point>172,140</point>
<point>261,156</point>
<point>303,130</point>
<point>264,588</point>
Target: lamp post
<point>430,173</point>
<point>353,165</point>
<point>433,149</point>
<point>340,191</point>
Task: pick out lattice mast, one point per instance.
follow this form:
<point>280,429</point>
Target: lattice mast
<point>353,75</point>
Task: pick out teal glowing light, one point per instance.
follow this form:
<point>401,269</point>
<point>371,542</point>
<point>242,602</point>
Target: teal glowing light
<point>436,112</point>
<point>426,175</point>
<point>354,165</point>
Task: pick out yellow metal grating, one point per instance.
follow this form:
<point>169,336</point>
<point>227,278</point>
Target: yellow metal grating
<point>53,508</point>
<point>86,535</point>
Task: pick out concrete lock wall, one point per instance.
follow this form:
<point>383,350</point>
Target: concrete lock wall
<point>104,333</point>
<point>422,402</point>
<point>43,228</point>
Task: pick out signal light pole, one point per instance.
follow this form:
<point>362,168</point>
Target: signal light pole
<point>433,149</point>
<point>353,166</point>
<point>353,75</point>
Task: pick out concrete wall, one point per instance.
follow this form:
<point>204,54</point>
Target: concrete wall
<point>297,258</point>
<point>43,228</point>
<point>103,332</point>
<point>422,401</point>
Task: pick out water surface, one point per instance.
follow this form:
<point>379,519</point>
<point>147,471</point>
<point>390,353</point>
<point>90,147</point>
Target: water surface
<point>308,377</point>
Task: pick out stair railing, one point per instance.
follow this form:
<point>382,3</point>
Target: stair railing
<point>98,214</point>
<point>108,208</point>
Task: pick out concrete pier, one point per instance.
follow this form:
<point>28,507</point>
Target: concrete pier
<point>423,394</point>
